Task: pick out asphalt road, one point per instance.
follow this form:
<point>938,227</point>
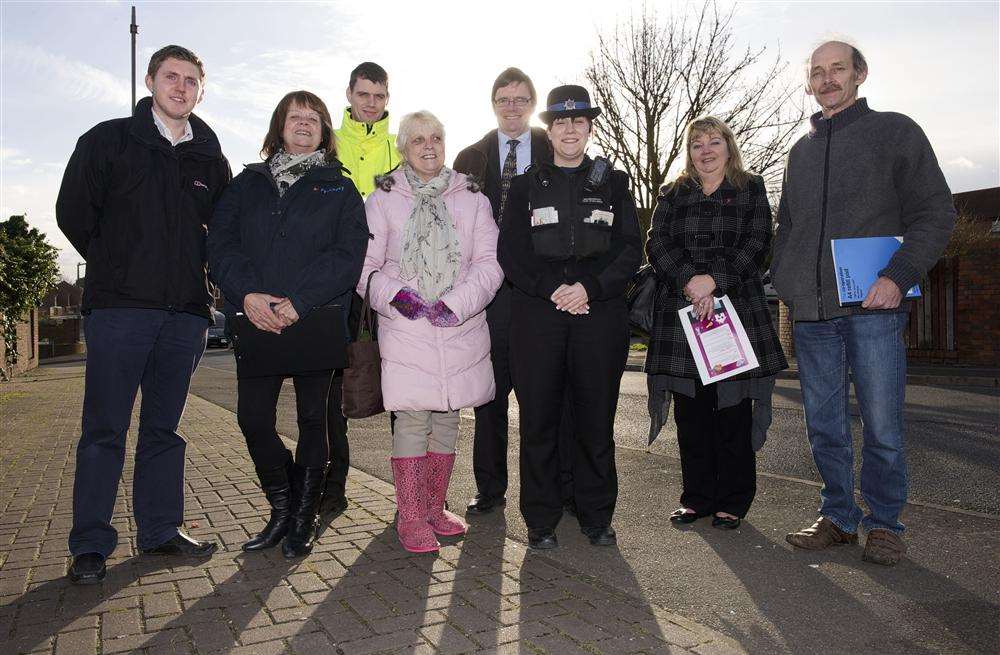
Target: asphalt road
<point>953,441</point>
<point>749,584</point>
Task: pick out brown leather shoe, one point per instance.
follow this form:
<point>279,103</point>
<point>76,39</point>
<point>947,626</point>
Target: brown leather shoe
<point>820,535</point>
<point>884,547</point>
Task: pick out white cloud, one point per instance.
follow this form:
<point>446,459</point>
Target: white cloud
<point>11,158</point>
<point>963,163</point>
<point>71,79</point>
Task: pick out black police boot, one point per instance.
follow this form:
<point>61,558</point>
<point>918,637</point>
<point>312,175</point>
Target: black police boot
<point>277,487</point>
<point>309,484</point>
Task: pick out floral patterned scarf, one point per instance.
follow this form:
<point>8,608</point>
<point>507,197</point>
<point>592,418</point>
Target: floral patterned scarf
<point>430,249</point>
<point>286,168</point>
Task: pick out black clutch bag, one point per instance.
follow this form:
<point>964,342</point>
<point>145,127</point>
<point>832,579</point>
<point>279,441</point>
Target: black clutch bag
<point>317,342</point>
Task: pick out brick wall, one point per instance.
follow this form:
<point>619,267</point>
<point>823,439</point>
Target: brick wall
<point>27,344</point>
<point>977,313</point>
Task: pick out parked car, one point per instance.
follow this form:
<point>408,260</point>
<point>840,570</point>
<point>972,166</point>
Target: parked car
<point>217,336</point>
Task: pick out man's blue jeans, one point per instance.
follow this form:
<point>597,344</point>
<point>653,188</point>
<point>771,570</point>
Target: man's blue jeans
<point>129,349</point>
<point>871,347</point>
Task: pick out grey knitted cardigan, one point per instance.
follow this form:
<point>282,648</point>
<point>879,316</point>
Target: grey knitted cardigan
<point>860,173</point>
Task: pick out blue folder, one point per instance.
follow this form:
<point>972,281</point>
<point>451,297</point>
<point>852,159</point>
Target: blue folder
<point>857,263</point>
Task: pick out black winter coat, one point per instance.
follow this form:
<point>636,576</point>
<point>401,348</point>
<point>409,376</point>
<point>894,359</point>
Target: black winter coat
<point>726,235</point>
<point>481,160</point>
<point>307,245</point>
<point>576,248</point>
<point>137,209</point>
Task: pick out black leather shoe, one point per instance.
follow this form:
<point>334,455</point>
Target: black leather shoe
<point>485,504</point>
<point>725,523</point>
<point>681,515</point>
<point>601,536</point>
<point>331,508</point>
<point>542,539</point>
<point>88,568</point>
<point>181,544</point>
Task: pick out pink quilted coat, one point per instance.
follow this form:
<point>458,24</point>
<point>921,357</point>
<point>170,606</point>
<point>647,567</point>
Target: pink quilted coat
<point>426,367</point>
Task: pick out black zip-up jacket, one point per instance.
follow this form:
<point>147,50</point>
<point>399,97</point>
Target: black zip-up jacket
<point>481,160</point>
<point>307,245</point>
<point>580,245</point>
<point>137,209</point>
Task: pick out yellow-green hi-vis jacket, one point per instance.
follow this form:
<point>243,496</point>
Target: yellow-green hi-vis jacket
<point>366,150</point>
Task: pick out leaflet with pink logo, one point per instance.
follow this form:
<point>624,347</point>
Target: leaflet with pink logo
<point>719,343</point>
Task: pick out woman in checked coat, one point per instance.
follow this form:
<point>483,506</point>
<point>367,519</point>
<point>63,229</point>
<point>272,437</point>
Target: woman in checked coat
<point>710,234</point>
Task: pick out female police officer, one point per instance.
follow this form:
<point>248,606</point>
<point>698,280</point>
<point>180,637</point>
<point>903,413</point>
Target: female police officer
<point>569,243</point>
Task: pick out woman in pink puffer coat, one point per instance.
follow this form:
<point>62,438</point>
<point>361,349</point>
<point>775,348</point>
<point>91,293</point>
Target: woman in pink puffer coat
<point>433,254</point>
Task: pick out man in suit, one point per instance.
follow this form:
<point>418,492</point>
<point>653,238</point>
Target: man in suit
<point>494,160</point>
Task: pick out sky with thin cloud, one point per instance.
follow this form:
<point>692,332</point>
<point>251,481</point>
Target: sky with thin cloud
<point>65,67</point>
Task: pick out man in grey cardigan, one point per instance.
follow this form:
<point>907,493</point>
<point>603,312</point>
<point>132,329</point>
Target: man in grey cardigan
<point>858,173</point>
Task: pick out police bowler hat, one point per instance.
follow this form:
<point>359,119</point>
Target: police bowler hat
<point>568,101</point>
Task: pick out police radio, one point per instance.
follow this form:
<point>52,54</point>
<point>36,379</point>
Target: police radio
<point>598,174</point>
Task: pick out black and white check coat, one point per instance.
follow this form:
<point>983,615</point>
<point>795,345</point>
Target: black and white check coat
<point>726,235</point>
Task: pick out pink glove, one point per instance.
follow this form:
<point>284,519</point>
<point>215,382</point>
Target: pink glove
<point>409,303</point>
<point>440,315</point>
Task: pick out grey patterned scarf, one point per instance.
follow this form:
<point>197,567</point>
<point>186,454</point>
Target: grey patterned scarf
<point>431,252</point>
<point>286,168</point>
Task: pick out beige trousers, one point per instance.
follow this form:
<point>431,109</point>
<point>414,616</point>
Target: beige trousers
<point>417,433</point>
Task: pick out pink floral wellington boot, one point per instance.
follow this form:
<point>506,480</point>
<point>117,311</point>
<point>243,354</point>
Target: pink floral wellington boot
<point>441,520</point>
<point>414,533</point>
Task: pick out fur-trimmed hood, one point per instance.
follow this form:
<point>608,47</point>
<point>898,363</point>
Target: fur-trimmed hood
<point>396,178</point>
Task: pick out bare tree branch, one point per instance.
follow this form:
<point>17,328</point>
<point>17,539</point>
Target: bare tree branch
<point>652,77</point>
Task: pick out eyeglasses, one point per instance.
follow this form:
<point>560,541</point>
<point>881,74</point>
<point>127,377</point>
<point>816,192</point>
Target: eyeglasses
<point>507,102</point>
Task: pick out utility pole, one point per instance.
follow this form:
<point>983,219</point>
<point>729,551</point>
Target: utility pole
<point>134,29</point>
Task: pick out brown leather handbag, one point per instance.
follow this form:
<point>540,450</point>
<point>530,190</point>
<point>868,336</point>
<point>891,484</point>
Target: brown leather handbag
<point>363,375</point>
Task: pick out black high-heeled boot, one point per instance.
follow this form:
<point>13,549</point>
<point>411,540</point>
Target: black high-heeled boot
<point>276,485</point>
<point>309,484</point>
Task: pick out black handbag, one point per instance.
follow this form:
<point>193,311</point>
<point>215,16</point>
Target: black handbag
<point>317,342</point>
<point>640,296</point>
<point>362,395</point>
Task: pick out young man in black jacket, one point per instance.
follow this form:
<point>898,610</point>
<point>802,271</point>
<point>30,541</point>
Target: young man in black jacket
<point>135,202</point>
<point>494,160</point>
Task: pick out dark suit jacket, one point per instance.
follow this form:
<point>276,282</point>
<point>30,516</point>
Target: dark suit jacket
<point>482,161</point>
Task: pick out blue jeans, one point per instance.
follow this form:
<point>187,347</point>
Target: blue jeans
<point>129,349</point>
<point>871,347</point>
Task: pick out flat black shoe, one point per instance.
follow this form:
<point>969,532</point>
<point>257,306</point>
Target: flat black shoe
<point>485,504</point>
<point>725,523</point>
<point>88,568</point>
<point>331,508</point>
<point>542,539</point>
<point>181,544</point>
<point>602,536</point>
<point>680,515</point>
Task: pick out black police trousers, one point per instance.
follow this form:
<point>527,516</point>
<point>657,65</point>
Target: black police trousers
<point>489,446</point>
<point>551,352</point>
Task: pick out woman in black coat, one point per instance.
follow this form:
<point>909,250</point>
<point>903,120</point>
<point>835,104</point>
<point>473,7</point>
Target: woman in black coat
<point>710,234</point>
<point>288,236</point>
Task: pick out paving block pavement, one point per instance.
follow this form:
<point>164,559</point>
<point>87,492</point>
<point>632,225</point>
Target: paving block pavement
<point>359,591</point>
